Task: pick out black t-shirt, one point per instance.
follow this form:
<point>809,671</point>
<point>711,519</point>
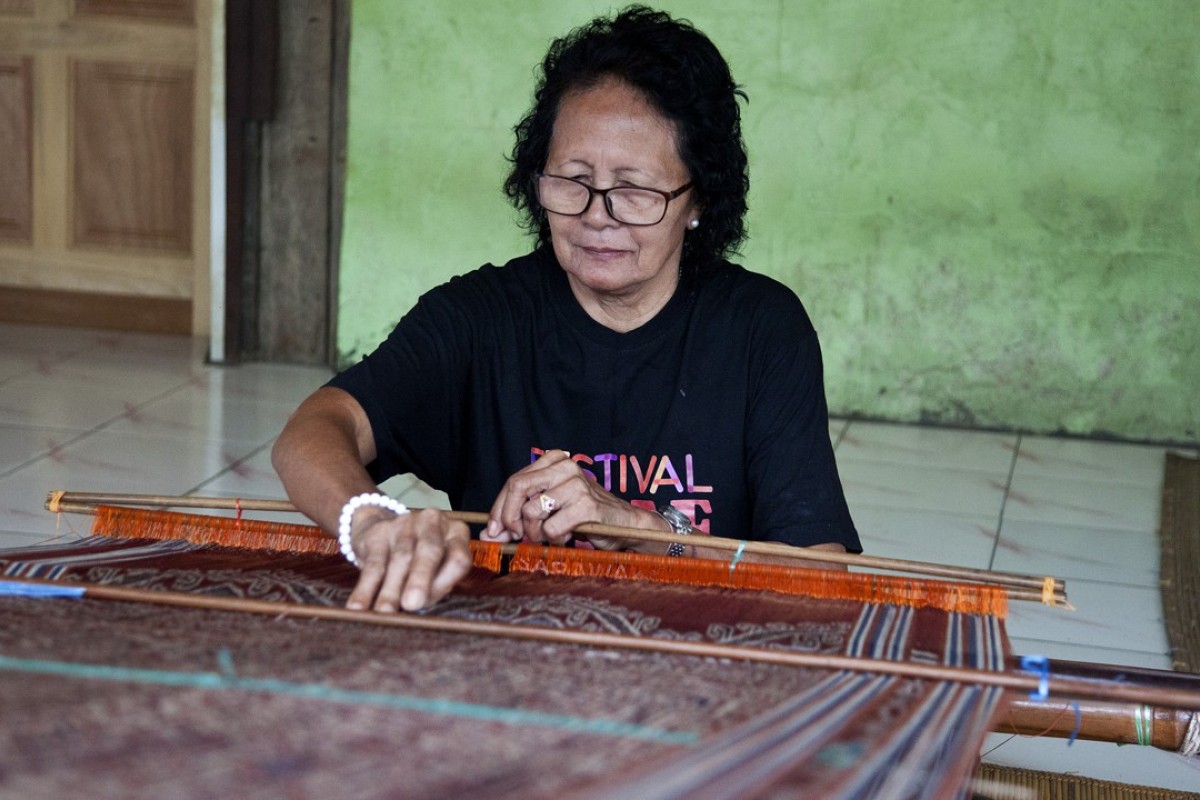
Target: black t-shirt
<point>716,405</point>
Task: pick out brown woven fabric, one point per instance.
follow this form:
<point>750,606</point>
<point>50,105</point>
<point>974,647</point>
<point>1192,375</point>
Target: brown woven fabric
<point>113,699</point>
<point>1179,534</point>
<point>68,736</point>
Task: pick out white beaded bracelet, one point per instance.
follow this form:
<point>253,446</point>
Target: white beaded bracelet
<point>352,505</point>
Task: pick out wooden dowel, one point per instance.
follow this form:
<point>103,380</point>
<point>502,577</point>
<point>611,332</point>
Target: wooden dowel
<point>1120,673</point>
<point>85,502</point>
<point>1165,728</point>
<point>1059,688</point>
<point>93,499</point>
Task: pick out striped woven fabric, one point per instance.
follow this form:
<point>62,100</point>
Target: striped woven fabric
<point>581,715</point>
<point>883,741</point>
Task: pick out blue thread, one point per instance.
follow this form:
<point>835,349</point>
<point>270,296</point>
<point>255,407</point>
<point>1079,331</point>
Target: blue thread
<point>225,663</point>
<point>737,557</point>
<point>1041,666</point>
<point>1078,724</point>
<point>212,680</point>
<point>20,589</point>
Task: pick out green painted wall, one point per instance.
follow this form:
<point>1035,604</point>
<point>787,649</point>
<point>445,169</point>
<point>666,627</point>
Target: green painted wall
<point>991,210</point>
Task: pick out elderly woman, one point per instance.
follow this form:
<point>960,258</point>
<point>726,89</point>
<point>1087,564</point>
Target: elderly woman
<point>623,372</point>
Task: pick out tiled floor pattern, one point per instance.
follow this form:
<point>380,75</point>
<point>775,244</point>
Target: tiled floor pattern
<point>97,411</point>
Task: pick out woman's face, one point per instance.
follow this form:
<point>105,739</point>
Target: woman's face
<point>607,136</point>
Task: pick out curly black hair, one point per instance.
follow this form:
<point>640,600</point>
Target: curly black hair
<point>683,75</point>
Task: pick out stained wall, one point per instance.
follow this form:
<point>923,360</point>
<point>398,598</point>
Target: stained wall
<point>991,210</point>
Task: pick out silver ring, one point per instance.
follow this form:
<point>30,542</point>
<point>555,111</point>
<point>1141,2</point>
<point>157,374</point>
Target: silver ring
<point>548,503</point>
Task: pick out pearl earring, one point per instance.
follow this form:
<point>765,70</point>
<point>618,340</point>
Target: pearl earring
<point>694,224</point>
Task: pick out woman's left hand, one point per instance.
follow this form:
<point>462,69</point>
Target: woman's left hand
<point>547,500</point>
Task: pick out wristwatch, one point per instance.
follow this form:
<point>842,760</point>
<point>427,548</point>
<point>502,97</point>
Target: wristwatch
<point>679,523</point>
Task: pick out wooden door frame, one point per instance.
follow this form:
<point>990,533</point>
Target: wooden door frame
<point>270,48</point>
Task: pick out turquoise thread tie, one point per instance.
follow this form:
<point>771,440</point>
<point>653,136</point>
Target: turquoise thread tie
<point>737,557</point>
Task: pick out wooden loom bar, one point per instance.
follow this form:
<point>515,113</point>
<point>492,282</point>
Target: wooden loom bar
<point>1059,688</point>
<point>1097,721</point>
<point>1027,587</point>
<point>1126,723</point>
<point>257,534</point>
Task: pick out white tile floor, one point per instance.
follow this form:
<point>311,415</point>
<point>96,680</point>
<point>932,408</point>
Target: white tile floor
<point>96,411</point>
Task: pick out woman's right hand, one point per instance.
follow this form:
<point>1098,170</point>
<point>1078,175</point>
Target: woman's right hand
<point>409,561</point>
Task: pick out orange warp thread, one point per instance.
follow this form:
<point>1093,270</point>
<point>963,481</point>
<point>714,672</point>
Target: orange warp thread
<point>827,584</point>
<point>248,534</point>
<point>134,523</point>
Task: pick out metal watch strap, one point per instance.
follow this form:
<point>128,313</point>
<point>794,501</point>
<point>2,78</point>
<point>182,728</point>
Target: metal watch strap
<point>680,524</point>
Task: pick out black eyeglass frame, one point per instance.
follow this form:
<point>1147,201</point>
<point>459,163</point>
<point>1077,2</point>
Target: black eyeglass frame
<point>593,191</point>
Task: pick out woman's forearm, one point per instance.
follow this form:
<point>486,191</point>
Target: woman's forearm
<point>320,454</point>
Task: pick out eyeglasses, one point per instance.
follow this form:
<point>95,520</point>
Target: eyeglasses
<point>631,205</point>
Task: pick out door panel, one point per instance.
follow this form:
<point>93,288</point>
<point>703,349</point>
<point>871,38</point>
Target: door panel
<point>132,181</point>
<point>171,10</point>
<point>16,143</point>
<point>104,109</point>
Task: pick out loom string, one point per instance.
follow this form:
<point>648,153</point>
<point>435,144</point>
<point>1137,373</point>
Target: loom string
<point>1050,596</point>
<point>988,752</point>
<point>1143,721</point>
<point>54,504</point>
<point>1039,666</point>
<point>1191,739</point>
<point>1048,728</point>
<point>225,681</point>
<point>733,562</point>
<point>1078,723</point>
<point>225,663</point>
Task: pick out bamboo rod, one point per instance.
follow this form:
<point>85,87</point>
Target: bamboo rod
<point>1124,723</point>
<point>1034,587</point>
<point>1059,688</point>
<point>1098,721</point>
<point>1122,673</point>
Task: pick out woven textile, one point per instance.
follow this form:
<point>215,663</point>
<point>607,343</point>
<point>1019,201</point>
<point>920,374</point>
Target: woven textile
<point>133,700</point>
<point>1179,539</point>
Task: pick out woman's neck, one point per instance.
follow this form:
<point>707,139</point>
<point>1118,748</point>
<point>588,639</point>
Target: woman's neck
<point>626,311</point>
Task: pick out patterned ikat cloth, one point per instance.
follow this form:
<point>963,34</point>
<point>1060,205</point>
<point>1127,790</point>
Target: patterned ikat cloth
<point>135,700</point>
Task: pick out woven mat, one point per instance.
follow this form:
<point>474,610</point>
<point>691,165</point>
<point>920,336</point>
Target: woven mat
<point>1179,536</point>
<point>995,782</point>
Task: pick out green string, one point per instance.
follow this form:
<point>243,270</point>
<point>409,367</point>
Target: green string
<point>1143,720</point>
<point>228,680</point>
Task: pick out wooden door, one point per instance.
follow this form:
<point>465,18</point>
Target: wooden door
<point>104,163</point>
